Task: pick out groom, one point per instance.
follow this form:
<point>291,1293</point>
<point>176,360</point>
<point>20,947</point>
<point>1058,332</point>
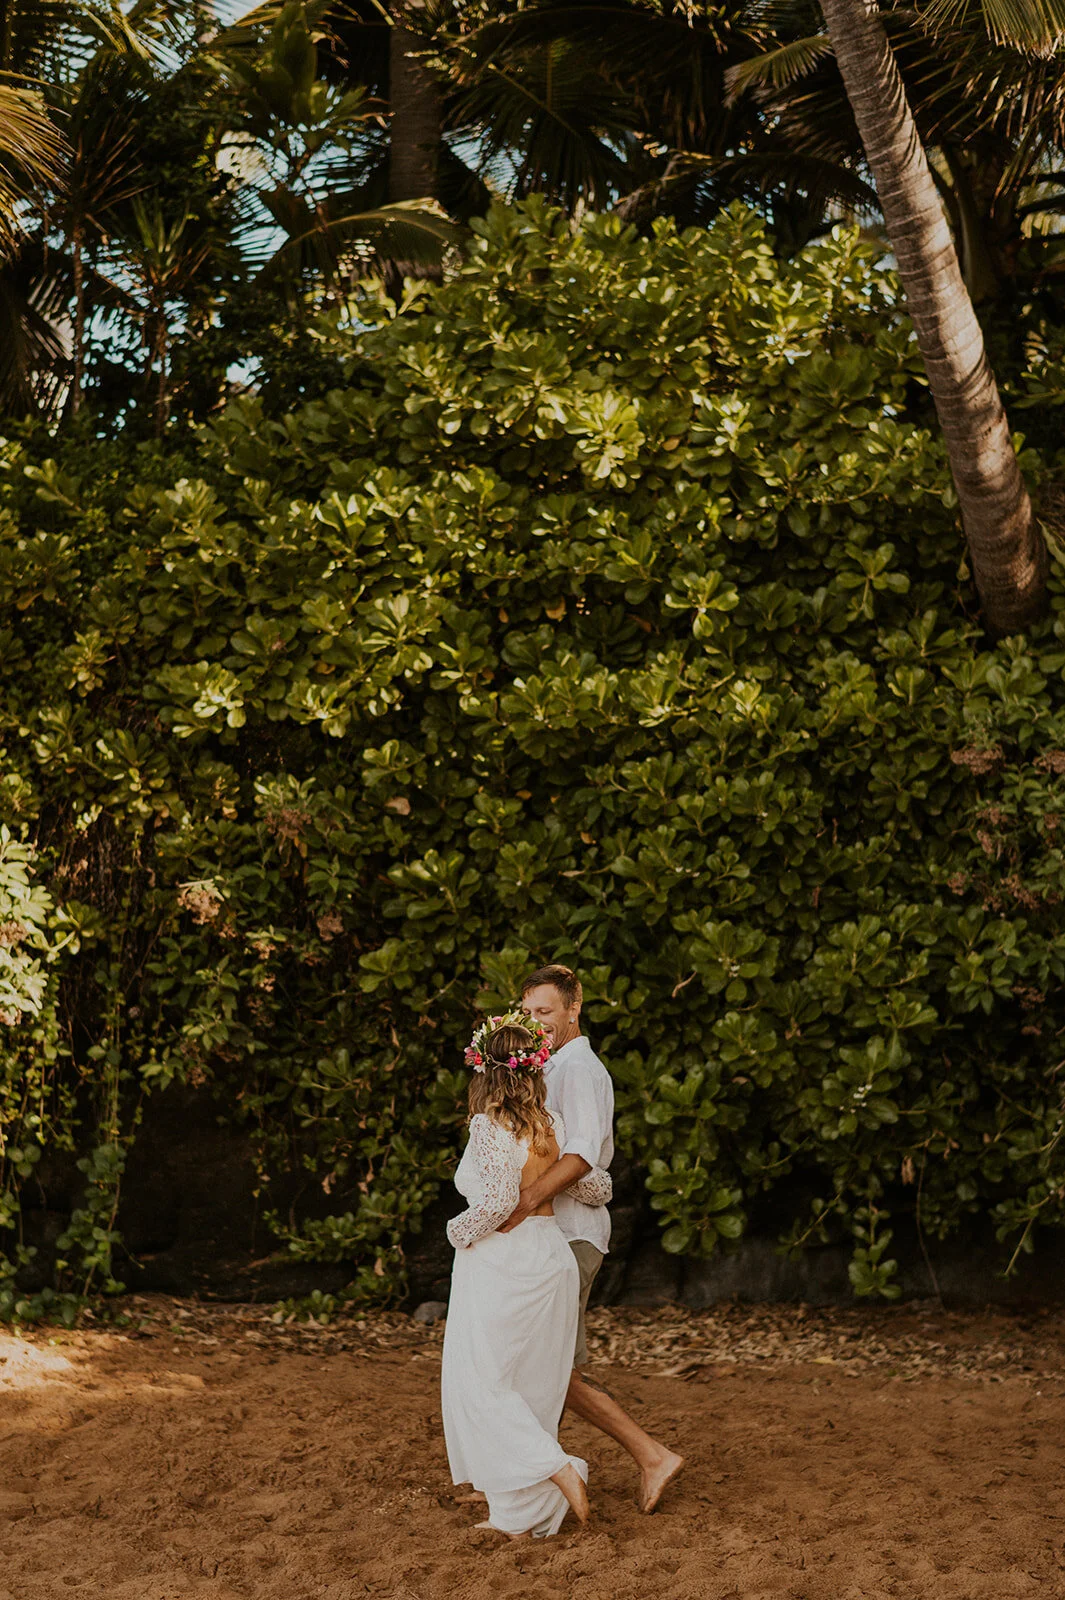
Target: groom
<point>579,1088</point>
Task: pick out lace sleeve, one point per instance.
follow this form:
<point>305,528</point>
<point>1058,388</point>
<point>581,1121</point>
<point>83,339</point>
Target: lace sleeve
<point>594,1189</point>
<point>493,1151</point>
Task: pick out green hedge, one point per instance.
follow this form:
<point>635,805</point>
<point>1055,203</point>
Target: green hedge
<point>613,612</point>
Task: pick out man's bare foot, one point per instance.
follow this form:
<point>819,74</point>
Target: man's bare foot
<point>506,1535</point>
<point>571,1483</point>
<point>654,1479</point>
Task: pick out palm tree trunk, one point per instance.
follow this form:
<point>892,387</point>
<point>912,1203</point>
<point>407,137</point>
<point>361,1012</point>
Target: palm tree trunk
<point>77,376</point>
<point>157,353</point>
<point>414,138</point>
<point>1009,556</point>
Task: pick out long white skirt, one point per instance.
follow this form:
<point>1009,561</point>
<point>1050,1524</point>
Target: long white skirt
<point>508,1355</point>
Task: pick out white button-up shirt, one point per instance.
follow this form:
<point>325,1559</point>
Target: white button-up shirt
<point>579,1089</point>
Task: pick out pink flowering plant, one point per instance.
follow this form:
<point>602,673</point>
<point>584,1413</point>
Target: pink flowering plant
<point>476,1054</point>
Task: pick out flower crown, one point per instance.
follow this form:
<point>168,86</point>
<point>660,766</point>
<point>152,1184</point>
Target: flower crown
<point>532,1060</point>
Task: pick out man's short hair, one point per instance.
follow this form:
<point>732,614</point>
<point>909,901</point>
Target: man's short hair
<point>564,979</point>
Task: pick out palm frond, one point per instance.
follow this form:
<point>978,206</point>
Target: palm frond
<point>462,191</point>
<point>32,155</point>
<point>133,30</point>
<point>554,115</point>
<point>779,18</point>
<point>29,139</point>
<point>780,68</point>
<point>335,241</point>
<point>793,173</point>
<point>1035,26</point>
<point>102,116</point>
<point>662,70</point>
<point>320,16</point>
<point>33,354</point>
<point>623,32</point>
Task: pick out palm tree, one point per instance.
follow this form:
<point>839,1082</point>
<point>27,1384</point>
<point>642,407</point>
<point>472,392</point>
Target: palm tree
<point>156,265</point>
<point>622,104</point>
<point>47,49</point>
<point>32,158</point>
<point>654,92</point>
<point>31,154</point>
<point>101,119</point>
<point>1009,557</point>
<point>991,118</point>
<point>322,146</point>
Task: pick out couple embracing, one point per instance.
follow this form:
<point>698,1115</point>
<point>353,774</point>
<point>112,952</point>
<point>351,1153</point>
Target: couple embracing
<point>527,1250</point>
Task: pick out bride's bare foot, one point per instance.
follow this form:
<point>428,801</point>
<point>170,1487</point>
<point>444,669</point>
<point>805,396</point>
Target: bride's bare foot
<point>488,1526</point>
<point>474,1498</point>
<point>654,1479</point>
<point>571,1483</point>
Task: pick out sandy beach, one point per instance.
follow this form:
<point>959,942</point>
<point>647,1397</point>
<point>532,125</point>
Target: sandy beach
<point>848,1455</point>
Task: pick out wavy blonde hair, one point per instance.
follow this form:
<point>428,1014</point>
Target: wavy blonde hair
<point>513,1097</point>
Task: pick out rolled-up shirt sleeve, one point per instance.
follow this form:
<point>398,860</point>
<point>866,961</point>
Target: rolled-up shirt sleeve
<point>587,1119</point>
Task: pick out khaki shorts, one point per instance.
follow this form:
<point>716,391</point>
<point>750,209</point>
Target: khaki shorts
<point>589,1260</point>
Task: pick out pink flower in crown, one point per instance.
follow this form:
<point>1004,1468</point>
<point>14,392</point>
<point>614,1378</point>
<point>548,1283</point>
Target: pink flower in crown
<point>532,1060</point>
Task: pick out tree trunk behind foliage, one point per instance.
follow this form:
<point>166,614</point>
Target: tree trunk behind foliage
<point>415,125</point>
<point>77,248</point>
<point>414,139</point>
<point>1008,554</point>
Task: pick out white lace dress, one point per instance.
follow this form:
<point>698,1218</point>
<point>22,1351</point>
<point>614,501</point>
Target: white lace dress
<point>510,1336</point>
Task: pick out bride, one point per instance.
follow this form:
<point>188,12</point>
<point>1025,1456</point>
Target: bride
<point>512,1317</point>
